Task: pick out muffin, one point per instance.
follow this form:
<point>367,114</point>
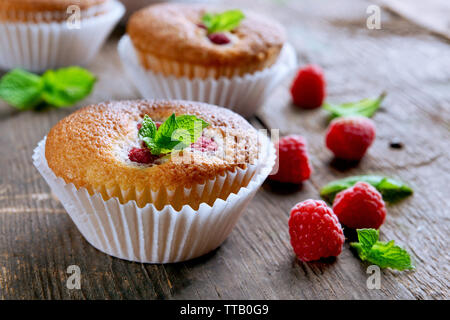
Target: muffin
<point>40,34</point>
<point>137,196</point>
<point>180,51</point>
<point>172,39</point>
<point>134,5</point>
<point>48,10</point>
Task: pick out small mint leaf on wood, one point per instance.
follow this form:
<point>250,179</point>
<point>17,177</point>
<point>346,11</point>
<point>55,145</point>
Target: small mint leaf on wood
<point>66,86</point>
<point>366,107</point>
<point>21,89</point>
<point>383,254</point>
<point>392,190</point>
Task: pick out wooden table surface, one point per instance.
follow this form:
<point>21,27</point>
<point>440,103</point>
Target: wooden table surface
<point>38,241</point>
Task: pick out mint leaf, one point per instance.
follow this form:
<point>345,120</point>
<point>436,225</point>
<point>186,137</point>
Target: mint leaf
<point>21,89</point>
<point>383,254</point>
<point>193,125</point>
<point>148,128</point>
<point>152,145</point>
<point>225,21</point>
<point>368,237</point>
<point>176,132</point>
<point>163,136</point>
<point>365,107</point>
<point>391,190</point>
<point>66,86</point>
<point>59,88</point>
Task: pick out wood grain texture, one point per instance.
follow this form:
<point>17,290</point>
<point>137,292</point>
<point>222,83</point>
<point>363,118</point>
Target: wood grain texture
<point>38,241</point>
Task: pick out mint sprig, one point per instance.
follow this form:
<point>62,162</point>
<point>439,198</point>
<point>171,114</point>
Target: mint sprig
<point>366,108</point>
<point>21,89</point>
<point>176,133</point>
<point>225,21</point>
<point>383,254</point>
<point>392,190</point>
<point>59,88</point>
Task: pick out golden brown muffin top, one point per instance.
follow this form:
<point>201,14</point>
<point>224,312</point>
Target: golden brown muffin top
<point>47,5</point>
<point>171,31</point>
<point>89,148</point>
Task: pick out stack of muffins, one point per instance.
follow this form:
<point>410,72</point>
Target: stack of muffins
<point>42,34</point>
<point>136,191</point>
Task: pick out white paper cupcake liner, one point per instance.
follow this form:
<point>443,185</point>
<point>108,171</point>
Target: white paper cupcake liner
<point>146,234</point>
<point>243,95</point>
<point>40,46</point>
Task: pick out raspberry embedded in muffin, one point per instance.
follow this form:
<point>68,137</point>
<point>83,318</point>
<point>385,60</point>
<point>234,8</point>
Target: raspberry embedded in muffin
<point>141,155</point>
<point>219,38</point>
<point>173,40</point>
<point>205,144</point>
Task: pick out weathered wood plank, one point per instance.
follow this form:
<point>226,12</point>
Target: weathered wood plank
<point>38,241</point>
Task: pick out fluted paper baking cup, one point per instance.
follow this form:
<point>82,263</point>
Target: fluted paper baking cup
<point>149,235</point>
<point>41,46</point>
<point>242,94</point>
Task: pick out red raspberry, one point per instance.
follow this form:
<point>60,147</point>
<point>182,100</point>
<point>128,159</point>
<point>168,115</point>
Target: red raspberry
<point>315,231</point>
<point>293,160</point>
<point>202,26</point>
<point>360,206</point>
<point>204,144</point>
<point>308,89</point>
<point>141,155</point>
<point>219,38</point>
<point>349,138</point>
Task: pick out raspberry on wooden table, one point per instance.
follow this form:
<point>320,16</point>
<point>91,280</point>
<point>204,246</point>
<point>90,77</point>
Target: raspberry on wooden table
<point>315,231</point>
<point>360,206</point>
<point>309,87</point>
<point>350,137</point>
<point>293,160</point>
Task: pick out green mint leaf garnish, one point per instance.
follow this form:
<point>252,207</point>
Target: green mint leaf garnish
<point>165,130</point>
<point>391,190</point>
<point>383,254</point>
<point>21,89</point>
<point>152,145</point>
<point>148,128</point>
<point>225,21</point>
<point>58,88</point>
<point>365,107</point>
<point>173,134</point>
<point>64,87</point>
<point>193,125</point>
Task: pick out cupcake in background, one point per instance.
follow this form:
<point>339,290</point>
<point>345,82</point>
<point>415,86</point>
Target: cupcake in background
<point>44,34</point>
<point>231,58</point>
<point>134,5</point>
<point>139,189</point>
